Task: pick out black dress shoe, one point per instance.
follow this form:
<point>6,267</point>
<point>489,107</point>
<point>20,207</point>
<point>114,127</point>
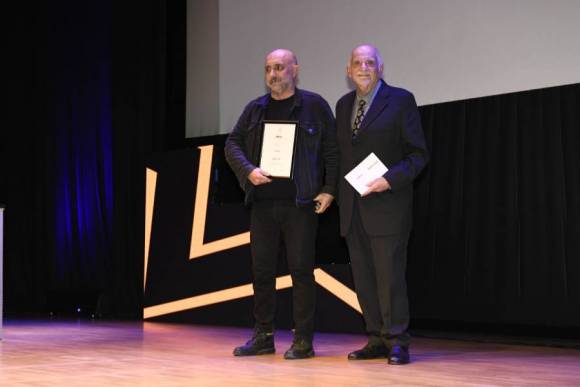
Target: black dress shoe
<point>262,343</point>
<point>369,351</point>
<point>300,349</point>
<point>399,355</point>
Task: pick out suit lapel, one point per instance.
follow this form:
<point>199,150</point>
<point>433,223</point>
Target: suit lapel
<point>346,118</point>
<point>379,104</point>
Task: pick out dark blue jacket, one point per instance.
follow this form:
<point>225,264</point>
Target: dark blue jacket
<point>316,157</point>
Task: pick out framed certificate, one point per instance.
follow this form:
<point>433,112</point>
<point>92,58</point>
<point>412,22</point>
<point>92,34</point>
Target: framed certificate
<point>278,145</point>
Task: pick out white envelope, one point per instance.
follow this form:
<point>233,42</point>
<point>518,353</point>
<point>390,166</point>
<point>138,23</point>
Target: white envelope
<point>368,170</point>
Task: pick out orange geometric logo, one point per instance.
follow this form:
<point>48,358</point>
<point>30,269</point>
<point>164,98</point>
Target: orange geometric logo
<point>200,249</point>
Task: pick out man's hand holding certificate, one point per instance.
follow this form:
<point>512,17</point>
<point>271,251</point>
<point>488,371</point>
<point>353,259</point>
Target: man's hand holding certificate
<point>367,176</point>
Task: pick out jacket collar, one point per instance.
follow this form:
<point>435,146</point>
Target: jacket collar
<point>265,99</point>
<point>379,104</point>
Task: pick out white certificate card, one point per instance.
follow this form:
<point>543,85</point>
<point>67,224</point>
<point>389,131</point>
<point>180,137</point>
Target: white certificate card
<point>278,148</point>
<point>368,170</point>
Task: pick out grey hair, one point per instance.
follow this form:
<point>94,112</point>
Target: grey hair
<point>377,53</point>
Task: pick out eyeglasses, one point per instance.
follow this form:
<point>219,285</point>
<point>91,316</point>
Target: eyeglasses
<point>370,63</point>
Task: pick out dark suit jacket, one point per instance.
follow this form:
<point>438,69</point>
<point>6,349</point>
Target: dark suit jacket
<point>392,130</point>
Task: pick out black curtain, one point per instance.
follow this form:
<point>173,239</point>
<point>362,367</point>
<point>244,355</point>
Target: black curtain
<point>96,85</point>
<point>497,212</point>
<point>55,157</point>
<point>148,82</point>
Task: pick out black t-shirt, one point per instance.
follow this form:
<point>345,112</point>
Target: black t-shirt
<point>279,188</point>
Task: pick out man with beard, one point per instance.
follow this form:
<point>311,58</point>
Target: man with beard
<point>384,120</point>
<point>284,210</point>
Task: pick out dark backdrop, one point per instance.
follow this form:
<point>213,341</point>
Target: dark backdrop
<point>497,213</point>
<point>94,86</point>
<point>99,85</point>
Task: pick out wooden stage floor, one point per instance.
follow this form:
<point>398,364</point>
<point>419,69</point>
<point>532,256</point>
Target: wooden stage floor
<point>85,353</point>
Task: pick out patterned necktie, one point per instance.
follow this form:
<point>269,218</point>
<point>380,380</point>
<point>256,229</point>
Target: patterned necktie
<point>359,116</point>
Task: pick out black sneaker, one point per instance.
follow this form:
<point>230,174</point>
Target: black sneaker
<point>261,343</point>
<point>300,349</point>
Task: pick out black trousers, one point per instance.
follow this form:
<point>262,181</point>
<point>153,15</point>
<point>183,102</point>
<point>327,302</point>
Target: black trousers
<point>379,266</point>
<point>271,222</point>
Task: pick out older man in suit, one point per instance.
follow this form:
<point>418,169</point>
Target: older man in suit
<point>383,119</point>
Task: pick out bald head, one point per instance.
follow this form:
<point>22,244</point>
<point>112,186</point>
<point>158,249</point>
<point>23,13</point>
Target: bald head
<point>285,54</point>
<point>367,49</point>
<point>281,72</point>
<point>365,68</point>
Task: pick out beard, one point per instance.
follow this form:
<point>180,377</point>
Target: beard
<point>277,85</point>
